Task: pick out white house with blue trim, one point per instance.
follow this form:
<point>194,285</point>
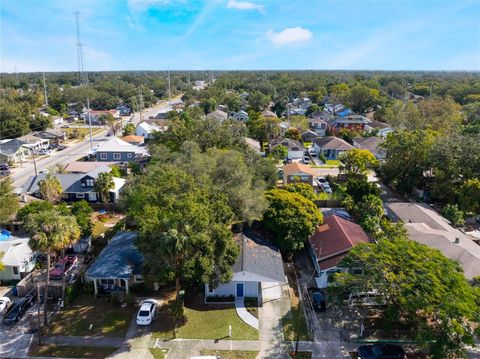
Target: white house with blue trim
<point>259,263</point>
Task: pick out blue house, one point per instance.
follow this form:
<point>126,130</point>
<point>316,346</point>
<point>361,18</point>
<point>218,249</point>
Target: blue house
<point>124,110</point>
<point>117,150</point>
<point>119,265</point>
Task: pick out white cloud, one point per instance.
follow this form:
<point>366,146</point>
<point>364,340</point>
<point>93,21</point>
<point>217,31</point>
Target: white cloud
<point>244,5</point>
<point>289,36</point>
<point>143,5</point>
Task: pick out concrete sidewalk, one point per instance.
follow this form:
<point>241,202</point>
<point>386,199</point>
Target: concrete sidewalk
<point>243,313</point>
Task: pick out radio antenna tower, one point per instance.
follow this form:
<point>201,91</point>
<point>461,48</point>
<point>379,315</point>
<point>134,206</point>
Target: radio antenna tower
<point>82,75</point>
<point>45,89</point>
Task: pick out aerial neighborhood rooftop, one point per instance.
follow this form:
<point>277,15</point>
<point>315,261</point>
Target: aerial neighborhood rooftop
<point>276,214</point>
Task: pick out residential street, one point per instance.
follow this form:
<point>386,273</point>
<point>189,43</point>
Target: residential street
<point>76,150</point>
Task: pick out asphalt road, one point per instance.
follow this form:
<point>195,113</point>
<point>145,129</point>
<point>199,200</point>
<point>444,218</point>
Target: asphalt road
<point>77,150</point>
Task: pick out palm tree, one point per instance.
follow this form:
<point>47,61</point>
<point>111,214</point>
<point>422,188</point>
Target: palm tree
<point>103,184</point>
<point>50,232</point>
<point>50,188</point>
<point>174,247</point>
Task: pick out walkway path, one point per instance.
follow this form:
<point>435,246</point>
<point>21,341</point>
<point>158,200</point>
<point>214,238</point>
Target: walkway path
<point>244,314</point>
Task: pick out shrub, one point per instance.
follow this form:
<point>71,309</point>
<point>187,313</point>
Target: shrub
<point>220,299</point>
<point>140,288</point>
<point>89,288</point>
<point>322,157</point>
<point>454,215</point>
<point>130,299</point>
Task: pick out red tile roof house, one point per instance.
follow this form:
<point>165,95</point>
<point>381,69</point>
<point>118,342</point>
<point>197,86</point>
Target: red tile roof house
<point>330,243</point>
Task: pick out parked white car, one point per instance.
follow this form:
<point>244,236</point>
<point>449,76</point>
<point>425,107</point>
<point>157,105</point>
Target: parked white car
<point>4,303</point>
<point>146,314</point>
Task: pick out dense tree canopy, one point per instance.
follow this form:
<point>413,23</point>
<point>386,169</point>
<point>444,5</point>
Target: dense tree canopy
<point>291,217</point>
<point>181,212</point>
<point>421,288</point>
<point>8,200</point>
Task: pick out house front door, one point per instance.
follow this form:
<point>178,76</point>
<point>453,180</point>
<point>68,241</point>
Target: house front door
<point>240,290</point>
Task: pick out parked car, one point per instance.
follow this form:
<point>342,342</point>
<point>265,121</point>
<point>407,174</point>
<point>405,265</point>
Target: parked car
<point>4,173</point>
<point>4,167</point>
<point>320,179</point>
<point>4,303</point>
<point>306,160</point>
<point>61,147</point>
<point>312,151</point>
<point>52,146</point>
<point>45,171</point>
<point>381,351</point>
<point>146,314</point>
<point>62,267</point>
<point>43,151</point>
<point>287,160</point>
<point>326,187</point>
<point>16,310</point>
<point>318,301</point>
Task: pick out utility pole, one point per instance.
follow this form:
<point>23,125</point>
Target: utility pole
<point>140,100</point>
<point>45,89</point>
<point>34,161</point>
<point>83,76</point>
<point>38,315</point>
<point>169,90</point>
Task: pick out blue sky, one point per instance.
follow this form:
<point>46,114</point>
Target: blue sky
<point>39,35</point>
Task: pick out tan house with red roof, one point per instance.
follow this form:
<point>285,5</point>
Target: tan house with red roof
<point>331,242</point>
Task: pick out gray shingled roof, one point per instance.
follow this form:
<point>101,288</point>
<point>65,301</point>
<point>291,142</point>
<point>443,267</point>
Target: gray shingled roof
<point>369,143</point>
<point>11,147</point>
<point>70,181</point>
<point>333,143</point>
<point>119,259</point>
<point>259,257</point>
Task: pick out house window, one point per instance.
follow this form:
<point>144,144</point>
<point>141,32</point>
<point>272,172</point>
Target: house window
<point>129,155</point>
<point>138,278</point>
<point>89,182</point>
<point>15,270</point>
<point>80,195</point>
<point>210,290</point>
<point>103,156</point>
<point>116,156</point>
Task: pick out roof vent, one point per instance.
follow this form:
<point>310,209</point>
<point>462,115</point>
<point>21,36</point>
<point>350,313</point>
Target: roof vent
<point>457,240</point>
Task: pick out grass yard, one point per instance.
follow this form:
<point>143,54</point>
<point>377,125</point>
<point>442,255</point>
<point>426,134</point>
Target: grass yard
<point>295,324</point>
<point>107,318</point>
<point>202,321</point>
<point>333,163</point>
<point>158,353</point>
<point>231,354</point>
<point>50,350</point>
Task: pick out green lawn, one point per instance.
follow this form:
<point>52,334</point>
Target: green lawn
<point>294,324</point>
<point>231,354</point>
<point>108,319</point>
<point>158,353</point>
<point>332,163</point>
<point>203,321</point>
<point>50,350</point>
